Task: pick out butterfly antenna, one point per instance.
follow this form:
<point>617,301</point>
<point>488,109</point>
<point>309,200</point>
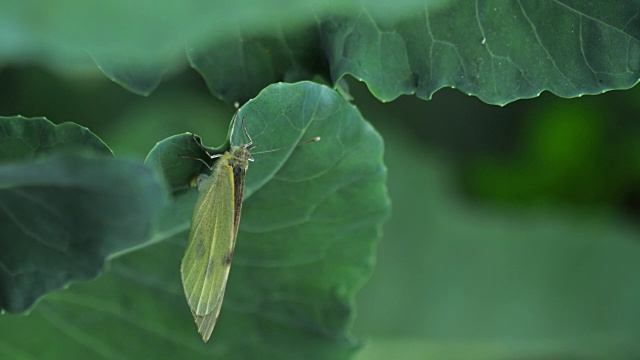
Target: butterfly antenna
<point>315,139</point>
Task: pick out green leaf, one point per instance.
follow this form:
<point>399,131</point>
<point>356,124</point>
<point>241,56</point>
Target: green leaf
<point>64,210</point>
<point>176,159</point>
<point>496,50</point>
<point>310,221</point>
<point>499,51</point>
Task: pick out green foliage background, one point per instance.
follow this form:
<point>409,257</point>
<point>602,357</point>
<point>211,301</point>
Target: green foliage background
<point>514,231</point>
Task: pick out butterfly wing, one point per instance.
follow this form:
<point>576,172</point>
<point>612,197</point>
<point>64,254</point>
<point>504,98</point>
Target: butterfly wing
<point>206,263</point>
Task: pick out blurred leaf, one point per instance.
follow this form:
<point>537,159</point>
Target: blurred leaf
<point>172,110</point>
<point>238,68</point>
<point>310,221</point>
<point>498,51</point>
<point>63,214</point>
<point>458,280</point>
<point>24,139</point>
<point>130,75</point>
<point>62,36</point>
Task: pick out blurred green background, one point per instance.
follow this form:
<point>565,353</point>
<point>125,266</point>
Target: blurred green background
<point>514,231</point>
